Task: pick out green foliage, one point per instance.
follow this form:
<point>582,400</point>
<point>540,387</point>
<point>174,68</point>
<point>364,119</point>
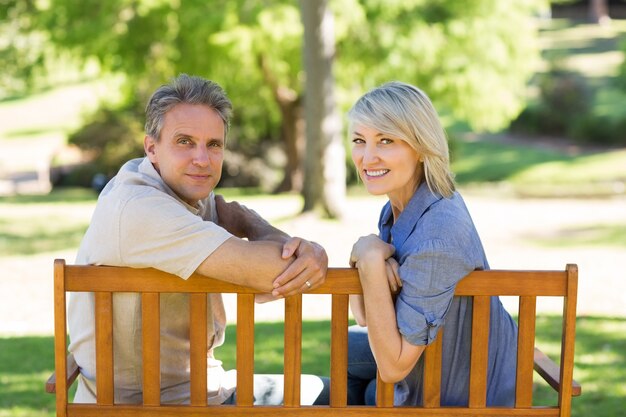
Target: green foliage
<point>21,47</point>
<point>565,108</point>
<point>564,98</point>
<point>110,137</point>
<point>579,97</point>
<point>621,77</point>
<point>473,58</point>
<point>600,130</point>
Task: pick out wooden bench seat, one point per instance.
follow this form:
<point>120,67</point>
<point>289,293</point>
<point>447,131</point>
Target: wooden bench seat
<point>340,283</point>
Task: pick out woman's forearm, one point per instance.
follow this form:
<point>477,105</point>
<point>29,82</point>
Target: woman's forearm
<point>395,357</point>
<point>357,307</point>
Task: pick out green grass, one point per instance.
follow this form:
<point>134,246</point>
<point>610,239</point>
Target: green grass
<point>537,171</point>
<point>600,363</point>
<point>585,235</point>
<point>36,224</point>
<point>269,348</point>
<point>491,161</point>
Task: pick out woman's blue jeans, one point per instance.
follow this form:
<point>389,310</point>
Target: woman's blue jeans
<point>361,368</point>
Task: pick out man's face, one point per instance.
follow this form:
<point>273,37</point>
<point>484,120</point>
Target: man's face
<point>190,153</point>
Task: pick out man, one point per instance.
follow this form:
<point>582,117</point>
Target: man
<point>160,212</point>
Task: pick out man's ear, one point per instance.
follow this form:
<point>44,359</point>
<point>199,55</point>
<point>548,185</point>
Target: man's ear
<point>149,145</point>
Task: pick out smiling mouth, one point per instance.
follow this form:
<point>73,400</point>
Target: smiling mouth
<point>376,173</point>
<point>199,177</point>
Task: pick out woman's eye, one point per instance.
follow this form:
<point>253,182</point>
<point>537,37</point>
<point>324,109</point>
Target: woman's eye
<point>386,141</point>
<point>357,141</point>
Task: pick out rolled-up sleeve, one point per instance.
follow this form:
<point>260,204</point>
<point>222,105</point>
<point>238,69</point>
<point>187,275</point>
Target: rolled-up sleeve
<point>429,276</point>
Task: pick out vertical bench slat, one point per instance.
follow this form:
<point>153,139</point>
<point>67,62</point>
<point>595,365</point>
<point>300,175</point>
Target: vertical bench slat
<point>60,328</point>
<point>245,349</point>
<point>339,351</point>
<point>384,392</point>
<point>151,342</point>
<point>567,342</point>
<point>525,351</point>
<point>432,372</point>
<point>104,347</point>
<point>479,355</point>
<point>198,348</point>
<point>293,349</point>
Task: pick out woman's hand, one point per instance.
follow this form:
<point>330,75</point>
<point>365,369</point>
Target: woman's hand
<point>393,277</point>
<point>370,252</point>
<point>368,248</point>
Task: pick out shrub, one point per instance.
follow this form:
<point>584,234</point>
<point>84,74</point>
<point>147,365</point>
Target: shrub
<point>564,98</point>
<point>110,138</point>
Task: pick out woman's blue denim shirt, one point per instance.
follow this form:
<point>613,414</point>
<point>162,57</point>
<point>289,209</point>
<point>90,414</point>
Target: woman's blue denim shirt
<point>436,246</point>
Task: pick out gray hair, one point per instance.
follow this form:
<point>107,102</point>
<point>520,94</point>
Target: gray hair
<point>189,90</point>
<point>404,111</point>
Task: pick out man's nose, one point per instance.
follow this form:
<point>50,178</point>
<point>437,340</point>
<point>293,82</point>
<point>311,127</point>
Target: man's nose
<point>201,156</point>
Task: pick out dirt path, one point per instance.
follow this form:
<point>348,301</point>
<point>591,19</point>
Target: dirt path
<point>509,228</point>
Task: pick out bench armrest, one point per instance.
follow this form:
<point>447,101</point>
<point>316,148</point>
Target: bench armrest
<point>72,373</point>
<point>550,372</point>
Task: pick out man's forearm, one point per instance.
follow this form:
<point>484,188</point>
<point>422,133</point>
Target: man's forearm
<point>246,223</point>
<point>259,229</point>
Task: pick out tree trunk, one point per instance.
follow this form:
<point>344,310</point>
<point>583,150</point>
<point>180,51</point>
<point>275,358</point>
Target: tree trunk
<point>292,128</point>
<point>292,132</point>
<point>599,12</point>
<point>324,165</point>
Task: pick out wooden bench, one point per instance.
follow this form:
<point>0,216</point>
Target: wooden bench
<point>340,282</point>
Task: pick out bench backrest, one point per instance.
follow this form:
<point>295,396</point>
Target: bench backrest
<point>340,283</point>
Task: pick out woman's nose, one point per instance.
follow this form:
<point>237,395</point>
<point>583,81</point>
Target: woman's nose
<point>370,155</point>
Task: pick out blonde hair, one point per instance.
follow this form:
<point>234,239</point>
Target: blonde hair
<point>406,112</point>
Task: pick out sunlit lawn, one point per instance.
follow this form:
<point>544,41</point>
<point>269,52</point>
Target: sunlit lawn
<point>600,366</point>
<point>534,171</point>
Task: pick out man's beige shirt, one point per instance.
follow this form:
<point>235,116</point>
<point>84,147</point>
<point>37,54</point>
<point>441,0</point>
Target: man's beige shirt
<point>140,222</point>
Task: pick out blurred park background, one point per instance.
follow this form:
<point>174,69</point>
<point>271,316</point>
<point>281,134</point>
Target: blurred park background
<point>532,94</point>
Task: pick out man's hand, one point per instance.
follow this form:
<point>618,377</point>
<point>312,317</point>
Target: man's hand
<point>307,272</point>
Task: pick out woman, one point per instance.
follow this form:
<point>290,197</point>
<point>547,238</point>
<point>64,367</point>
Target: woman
<point>427,243</point>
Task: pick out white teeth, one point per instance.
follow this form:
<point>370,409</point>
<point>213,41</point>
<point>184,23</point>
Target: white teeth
<point>376,173</point>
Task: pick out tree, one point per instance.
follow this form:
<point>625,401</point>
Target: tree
<point>324,181</point>
<point>472,58</point>
<point>599,11</point>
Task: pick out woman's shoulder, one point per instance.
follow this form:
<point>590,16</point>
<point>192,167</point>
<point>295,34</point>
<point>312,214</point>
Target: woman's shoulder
<point>447,222</point>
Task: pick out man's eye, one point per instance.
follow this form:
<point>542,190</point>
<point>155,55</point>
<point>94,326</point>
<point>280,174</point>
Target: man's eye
<point>184,141</point>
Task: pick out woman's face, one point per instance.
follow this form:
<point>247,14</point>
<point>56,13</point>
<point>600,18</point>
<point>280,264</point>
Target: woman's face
<point>386,164</point>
